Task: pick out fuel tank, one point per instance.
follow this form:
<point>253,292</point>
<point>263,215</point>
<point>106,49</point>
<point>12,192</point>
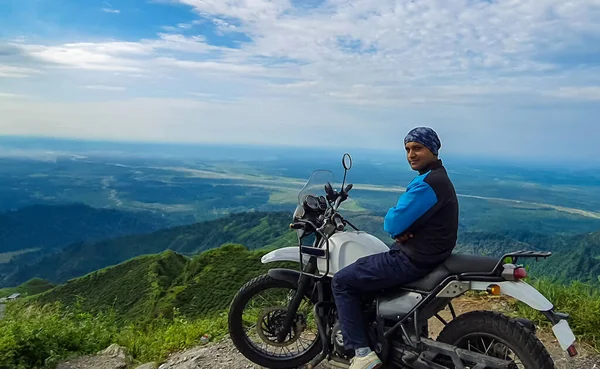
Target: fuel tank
<point>347,247</point>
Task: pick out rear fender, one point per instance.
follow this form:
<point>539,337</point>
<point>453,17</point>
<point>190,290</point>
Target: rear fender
<point>524,292</point>
<point>519,290</point>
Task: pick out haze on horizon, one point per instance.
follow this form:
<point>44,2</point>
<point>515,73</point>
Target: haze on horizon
<point>505,79</point>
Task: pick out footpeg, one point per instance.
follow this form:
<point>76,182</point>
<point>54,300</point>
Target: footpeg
<point>409,358</point>
<point>416,362</point>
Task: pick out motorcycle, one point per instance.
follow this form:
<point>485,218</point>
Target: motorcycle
<point>300,323</point>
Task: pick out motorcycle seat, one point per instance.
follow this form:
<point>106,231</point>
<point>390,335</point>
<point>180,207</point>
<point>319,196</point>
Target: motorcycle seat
<point>455,264</point>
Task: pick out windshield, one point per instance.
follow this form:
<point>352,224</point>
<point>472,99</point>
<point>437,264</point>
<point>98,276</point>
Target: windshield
<point>315,185</point>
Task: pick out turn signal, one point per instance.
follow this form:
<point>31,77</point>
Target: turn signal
<point>493,289</point>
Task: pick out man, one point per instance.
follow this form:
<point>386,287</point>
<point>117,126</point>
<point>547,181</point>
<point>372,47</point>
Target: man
<point>424,224</point>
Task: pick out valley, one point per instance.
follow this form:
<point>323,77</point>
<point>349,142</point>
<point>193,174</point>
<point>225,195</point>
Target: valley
<point>77,212</point>
<point>188,191</point>
<point>162,244</point>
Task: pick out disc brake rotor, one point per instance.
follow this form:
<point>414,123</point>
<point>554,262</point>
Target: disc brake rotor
<point>270,322</point>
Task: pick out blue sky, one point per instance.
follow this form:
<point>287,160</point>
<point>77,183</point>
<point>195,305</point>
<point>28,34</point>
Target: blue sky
<point>511,78</point>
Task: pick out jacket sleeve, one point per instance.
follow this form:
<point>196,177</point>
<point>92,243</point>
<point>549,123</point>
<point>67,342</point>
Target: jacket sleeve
<point>416,201</point>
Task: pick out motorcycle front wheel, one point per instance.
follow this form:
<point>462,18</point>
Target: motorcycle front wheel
<point>255,317</point>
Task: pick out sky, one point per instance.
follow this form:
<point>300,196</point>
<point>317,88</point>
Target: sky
<point>501,78</point>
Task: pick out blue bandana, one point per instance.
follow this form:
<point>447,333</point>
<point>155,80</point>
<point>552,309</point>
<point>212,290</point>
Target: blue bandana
<point>426,137</point>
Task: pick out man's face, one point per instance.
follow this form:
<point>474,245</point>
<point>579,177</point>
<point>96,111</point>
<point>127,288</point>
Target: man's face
<point>418,156</point>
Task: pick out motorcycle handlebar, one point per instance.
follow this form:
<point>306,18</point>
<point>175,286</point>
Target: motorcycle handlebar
<point>339,224</point>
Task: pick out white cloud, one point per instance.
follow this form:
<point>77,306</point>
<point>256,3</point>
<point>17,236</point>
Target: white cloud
<point>212,66</point>
<point>105,88</point>
<point>92,56</point>
<point>109,10</point>
<point>384,62</point>
<point>5,95</point>
<point>9,71</point>
<point>430,47</point>
<point>591,93</point>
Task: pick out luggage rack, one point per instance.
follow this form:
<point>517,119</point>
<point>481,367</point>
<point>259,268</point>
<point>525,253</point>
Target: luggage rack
<point>515,255</point>
<point>522,254</point>
<point>527,254</point>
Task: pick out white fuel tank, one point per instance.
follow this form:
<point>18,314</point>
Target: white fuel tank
<point>347,247</point>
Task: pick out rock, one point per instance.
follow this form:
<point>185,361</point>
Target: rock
<point>93,362</point>
<point>113,357</point>
<point>147,366</point>
<point>186,360</point>
<point>218,355</point>
<point>116,351</point>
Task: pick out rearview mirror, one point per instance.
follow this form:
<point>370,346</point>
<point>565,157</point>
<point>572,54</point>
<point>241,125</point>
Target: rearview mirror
<point>347,161</point>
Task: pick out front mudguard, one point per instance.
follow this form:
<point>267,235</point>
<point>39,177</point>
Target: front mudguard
<point>283,274</point>
<point>291,253</point>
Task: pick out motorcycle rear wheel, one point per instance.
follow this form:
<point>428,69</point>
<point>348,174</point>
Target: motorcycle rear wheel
<point>487,331</point>
<point>266,322</point>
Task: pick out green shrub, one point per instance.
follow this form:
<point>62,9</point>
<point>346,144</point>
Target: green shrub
<point>36,337</point>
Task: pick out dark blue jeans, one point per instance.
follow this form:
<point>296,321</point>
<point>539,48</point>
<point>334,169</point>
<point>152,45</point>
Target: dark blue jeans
<point>368,274</point>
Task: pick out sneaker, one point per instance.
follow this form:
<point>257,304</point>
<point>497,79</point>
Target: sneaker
<point>371,361</point>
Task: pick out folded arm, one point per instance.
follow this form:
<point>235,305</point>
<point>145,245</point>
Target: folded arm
<point>416,201</point>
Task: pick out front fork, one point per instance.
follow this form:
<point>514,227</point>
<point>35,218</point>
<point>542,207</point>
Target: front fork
<point>303,286</point>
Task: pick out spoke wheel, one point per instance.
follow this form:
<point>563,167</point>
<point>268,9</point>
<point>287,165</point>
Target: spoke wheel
<point>256,316</point>
<point>496,335</point>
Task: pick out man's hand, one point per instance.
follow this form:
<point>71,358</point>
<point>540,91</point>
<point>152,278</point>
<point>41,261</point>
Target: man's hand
<point>404,237</point>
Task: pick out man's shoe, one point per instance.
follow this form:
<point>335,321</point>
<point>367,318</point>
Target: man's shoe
<point>371,361</point>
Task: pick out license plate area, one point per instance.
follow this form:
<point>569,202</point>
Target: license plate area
<point>564,334</point>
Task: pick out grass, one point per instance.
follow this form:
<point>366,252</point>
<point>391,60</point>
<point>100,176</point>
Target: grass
<point>351,205</point>
<point>32,287</point>
<point>39,337</point>
<point>283,196</point>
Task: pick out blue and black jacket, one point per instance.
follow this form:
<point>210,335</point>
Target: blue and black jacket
<point>429,210</point>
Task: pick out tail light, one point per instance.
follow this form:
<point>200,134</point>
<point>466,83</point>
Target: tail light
<point>513,272</point>
<point>520,273</point>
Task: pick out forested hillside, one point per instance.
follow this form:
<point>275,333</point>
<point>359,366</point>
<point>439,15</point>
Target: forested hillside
<point>51,226</point>
<point>32,287</point>
<point>253,229</point>
<point>151,286</point>
<point>575,257</point>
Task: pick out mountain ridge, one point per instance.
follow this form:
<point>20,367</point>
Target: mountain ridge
<point>573,255</point>
<point>254,229</point>
<point>152,286</point>
<point>52,226</point>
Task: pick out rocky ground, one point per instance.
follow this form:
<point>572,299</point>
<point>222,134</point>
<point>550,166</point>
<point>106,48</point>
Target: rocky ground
<point>222,355</point>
